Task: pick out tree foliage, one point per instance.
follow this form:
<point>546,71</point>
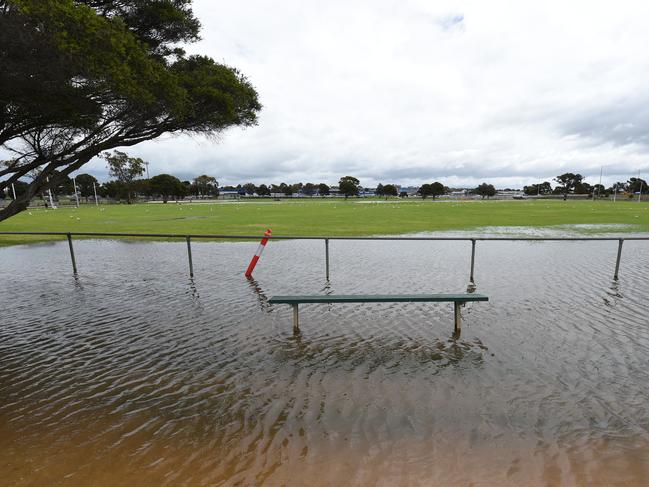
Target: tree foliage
<point>263,190</point>
<point>309,189</point>
<point>485,189</point>
<point>617,187</point>
<point>438,189</point>
<point>80,78</point>
<point>166,186</point>
<point>323,189</point>
<point>424,191</point>
<point>349,186</point>
<point>287,189</point>
<point>433,189</point>
<point>538,189</point>
<point>599,190</point>
<point>636,185</point>
<point>206,185</point>
<point>19,186</point>
<point>125,169</point>
<point>390,190</point>
<point>86,184</point>
<point>567,182</point>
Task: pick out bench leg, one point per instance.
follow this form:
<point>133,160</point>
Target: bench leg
<point>296,319</point>
<point>458,318</point>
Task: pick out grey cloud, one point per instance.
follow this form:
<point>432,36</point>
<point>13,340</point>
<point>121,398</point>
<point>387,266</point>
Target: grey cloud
<point>619,122</point>
<point>386,90</point>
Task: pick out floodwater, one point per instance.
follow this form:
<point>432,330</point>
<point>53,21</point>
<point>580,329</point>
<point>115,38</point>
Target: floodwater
<point>133,374</point>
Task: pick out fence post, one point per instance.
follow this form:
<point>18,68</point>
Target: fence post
<point>619,256</point>
<point>74,262</point>
<point>471,280</point>
<point>189,254</point>
<point>327,257</point>
<point>296,319</point>
<point>457,314</point>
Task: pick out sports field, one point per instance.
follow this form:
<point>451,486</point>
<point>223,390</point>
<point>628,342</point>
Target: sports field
<point>326,217</point>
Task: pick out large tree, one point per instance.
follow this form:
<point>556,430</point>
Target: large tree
<point>79,78</point>
<point>636,185</point>
<point>599,190</point>
<point>617,187</point>
<point>538,189</point>
<point>567,182</point>
<point>250,188</point>
<point>86,185</point>
<point>425,191</point>
<point>309,189</point>
<point>390,190</point>
<point>206,185</point>
<point>287,189</point>
<point>438,189</point>
<point>349,186</point>
<point>166,185</point>
<point>125,169</point>
<point>485,189</point>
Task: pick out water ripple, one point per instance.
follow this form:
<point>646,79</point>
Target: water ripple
<point>134,374</point>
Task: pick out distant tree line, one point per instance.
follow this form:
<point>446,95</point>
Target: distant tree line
<point>571,183</point>
<point>128,183</point>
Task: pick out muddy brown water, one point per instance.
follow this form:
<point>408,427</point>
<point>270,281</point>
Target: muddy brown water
<point>134,375</point>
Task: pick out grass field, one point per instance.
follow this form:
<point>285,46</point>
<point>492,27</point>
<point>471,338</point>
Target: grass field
<point>323,217</point>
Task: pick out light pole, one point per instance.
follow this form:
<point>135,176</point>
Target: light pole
<point>601,170</point>
<point>639,192</point>
<point>146,164</point>
<point>94,187</point>
<point>13,188</point>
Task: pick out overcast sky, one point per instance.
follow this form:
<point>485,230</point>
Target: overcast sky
<point>415,91</point>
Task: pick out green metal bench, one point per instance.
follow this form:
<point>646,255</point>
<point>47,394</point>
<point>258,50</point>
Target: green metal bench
<point>457,299</point>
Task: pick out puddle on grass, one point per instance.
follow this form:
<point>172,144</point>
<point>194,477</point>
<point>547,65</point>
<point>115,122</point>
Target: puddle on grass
<point>554,231</point>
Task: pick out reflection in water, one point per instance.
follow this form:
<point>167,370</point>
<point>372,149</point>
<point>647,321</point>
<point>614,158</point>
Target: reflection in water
<point>258,291</point>
<point>130,376</point>
<point>193,290</point>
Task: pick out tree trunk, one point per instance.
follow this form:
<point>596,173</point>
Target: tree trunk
<point>16,206</point>
<point>39,185</point>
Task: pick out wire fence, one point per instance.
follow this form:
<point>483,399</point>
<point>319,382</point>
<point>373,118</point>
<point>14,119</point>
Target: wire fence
<point>326,239</point>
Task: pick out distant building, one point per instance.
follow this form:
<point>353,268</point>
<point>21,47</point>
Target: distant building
<point>228,194</point>
<point>507,194</point>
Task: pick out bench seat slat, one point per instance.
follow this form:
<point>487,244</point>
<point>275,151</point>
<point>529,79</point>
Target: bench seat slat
<point>378,298</point>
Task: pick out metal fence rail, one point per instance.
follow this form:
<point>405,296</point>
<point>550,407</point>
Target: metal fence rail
<point>188,238</point>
